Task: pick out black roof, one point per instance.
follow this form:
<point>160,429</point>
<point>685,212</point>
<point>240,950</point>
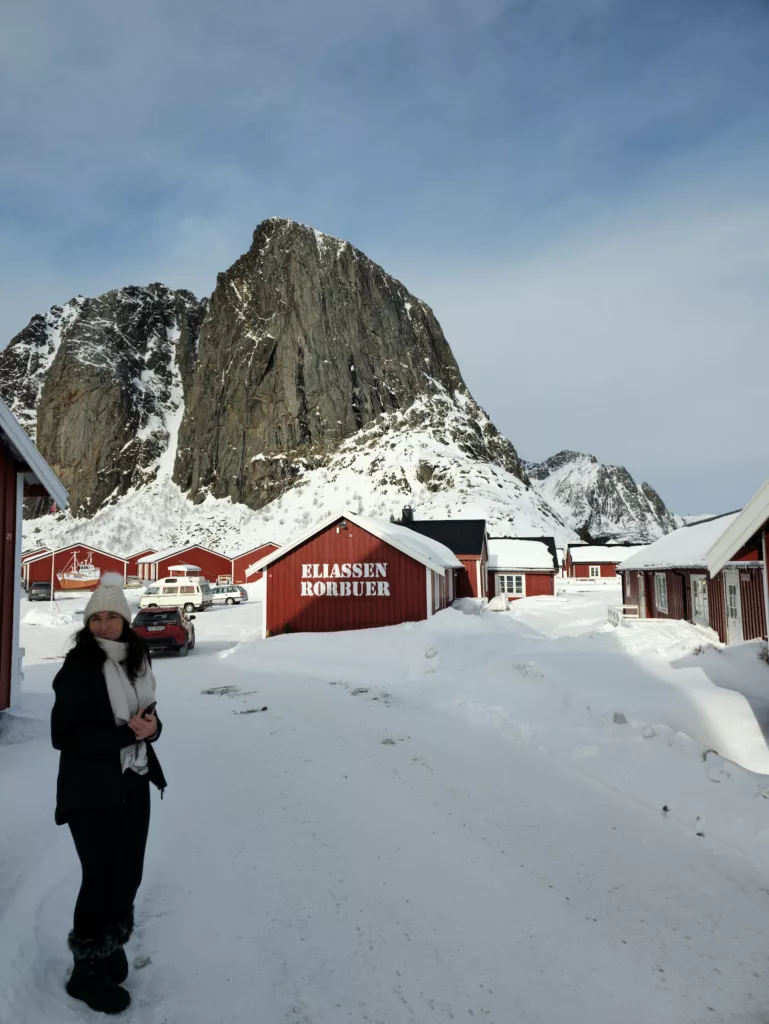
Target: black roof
<point>461,536</point>
<point>549,543</point>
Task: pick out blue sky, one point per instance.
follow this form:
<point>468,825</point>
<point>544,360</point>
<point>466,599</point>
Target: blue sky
<point>579,188</point>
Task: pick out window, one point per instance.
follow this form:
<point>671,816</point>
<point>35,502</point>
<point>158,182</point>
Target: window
<point>595,570</point>
<point>170,590</point>
<point>153,590</point>
<point>513,586</point>
<point>186,590</point>
<point>661,592</point>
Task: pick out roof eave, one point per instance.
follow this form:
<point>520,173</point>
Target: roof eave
<point>748,522</point>
<point>28,455</point>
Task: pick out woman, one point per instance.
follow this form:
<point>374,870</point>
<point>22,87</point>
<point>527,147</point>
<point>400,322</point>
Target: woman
<point>103,723</point>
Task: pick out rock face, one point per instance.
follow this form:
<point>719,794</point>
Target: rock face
<point>308,341</point>
<point>601,501</point>
<point>100,383</point>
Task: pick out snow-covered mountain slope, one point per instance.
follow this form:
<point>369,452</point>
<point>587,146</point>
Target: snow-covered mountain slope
<point>99,384</point>
<point>407,458</point>
<point>601,500</point>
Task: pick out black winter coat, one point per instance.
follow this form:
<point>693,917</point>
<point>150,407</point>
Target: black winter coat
<point>83,729</point>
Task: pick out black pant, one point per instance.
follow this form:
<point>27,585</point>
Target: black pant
<point>110,842</point>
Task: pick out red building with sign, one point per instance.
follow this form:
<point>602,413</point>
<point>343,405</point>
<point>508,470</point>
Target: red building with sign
<point>24,473</point>
<point>212,564</point>
<point>350,572</point>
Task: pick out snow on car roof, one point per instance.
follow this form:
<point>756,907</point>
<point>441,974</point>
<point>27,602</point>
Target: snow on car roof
<point>508,553</point>
<point>688,546</point>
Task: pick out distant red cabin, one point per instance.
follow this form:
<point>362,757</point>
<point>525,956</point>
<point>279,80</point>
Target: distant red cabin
<point>212,564</point>
<point>596,561</point>
<point>350,572</point>
<point>522,567</point>
<point>23,473</point>
<point>132,561</point>
<point>240,563</point>
<point>38,568</point>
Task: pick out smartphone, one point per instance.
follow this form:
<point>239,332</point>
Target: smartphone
<point>150,709</point>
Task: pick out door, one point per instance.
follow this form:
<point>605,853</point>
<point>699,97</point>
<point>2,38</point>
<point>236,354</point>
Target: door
<point>733,606</point>
<point>700,608</point>
<point>641,595</point>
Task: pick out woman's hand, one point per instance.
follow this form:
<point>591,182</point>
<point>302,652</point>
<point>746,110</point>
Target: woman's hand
<point>143,728</point>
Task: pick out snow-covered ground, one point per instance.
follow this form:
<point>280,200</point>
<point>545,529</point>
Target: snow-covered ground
<point>499,817</point>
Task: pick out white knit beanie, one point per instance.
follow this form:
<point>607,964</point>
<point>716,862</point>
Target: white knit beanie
<point>108,597</point>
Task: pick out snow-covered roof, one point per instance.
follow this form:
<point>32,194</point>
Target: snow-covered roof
<point>422,549</point>
<point>37,468</point>
<point>77,545</point>
<point>252,549</point>
<point>161,556</point>
<point>510,553</point>
<point>595,553</point>
<point>746,523</point>
<point>686,548</point>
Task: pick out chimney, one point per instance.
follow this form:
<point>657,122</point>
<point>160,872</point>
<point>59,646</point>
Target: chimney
<point>408,515</point>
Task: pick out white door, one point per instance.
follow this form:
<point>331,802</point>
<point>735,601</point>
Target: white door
<point>641,596</point>
<point>733,606</point>
<point>700,609</point>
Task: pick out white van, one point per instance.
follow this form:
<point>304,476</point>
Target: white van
<point>192,593</point>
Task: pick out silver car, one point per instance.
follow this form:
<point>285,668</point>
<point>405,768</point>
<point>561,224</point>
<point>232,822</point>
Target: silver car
<point>227,593</point>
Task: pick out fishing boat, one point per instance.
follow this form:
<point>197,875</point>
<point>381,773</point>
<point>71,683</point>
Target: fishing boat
<point>79,574</point>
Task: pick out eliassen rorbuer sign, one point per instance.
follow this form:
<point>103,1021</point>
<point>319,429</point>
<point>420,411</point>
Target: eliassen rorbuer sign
<point>345,579</point>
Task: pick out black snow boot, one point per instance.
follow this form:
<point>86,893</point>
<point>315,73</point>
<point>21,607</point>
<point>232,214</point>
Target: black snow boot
<point>90,982</point>
<point>116,966</point>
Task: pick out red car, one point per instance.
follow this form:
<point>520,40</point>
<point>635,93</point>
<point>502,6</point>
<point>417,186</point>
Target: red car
<point>166,629</point>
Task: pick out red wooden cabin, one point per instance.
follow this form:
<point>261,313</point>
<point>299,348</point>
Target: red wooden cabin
<point>350,572</point>
<point>38,568</point>
<point>596,561</point>
<point>24,473</point>
<point>670,579</point>
<point>466,538</point>
<point>241,563</point>
<point>132,561</point>
<point>212,563</point>
<point>748,532</point>
<point>522,567</point>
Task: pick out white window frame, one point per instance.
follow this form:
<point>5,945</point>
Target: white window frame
<point>594,575</point>
<point>502,584</point>
<point>661,592</point>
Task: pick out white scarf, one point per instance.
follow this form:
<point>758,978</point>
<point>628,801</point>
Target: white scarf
<point>127,698</point>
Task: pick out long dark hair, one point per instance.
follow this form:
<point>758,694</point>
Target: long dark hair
<point>84,643</point>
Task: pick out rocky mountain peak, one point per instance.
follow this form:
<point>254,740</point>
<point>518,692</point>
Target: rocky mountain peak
<point>98,383</point>
<point>307,342</point>
<point>599,500</point>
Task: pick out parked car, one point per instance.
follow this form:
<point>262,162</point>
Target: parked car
<point>228,594</point>
<point>39,591</point>
<point>192,593</point>
<point>166,629</point>
<point>243,592</point>
<point>134,581</point>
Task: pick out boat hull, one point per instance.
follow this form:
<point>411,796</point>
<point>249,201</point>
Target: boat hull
<point>68,583</point>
